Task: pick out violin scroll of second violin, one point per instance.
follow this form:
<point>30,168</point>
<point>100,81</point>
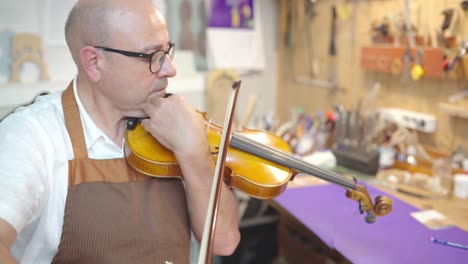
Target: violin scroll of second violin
<point>382,206</point>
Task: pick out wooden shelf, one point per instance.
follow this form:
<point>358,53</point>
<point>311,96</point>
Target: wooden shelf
<point>454,110</point>
<point>388,59</point>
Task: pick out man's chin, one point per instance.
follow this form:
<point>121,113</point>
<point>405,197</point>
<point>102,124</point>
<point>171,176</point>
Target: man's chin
<point>136,111</point>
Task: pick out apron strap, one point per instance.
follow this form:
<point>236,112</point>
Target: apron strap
<point>73,123</point>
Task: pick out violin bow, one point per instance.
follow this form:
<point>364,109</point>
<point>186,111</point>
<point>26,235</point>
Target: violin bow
<point>206,248</point>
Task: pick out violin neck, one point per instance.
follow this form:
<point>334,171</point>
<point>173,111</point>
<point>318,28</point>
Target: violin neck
<point>286,159</point>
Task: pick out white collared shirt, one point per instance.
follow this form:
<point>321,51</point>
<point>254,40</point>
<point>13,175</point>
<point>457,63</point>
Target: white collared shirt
<point>35,149</point>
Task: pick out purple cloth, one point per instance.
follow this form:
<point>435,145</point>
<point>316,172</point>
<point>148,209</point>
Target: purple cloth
<point>221,13</point>
<point>394,238</point>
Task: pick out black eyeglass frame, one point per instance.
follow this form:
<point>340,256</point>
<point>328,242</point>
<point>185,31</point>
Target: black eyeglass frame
<point>148,56</point>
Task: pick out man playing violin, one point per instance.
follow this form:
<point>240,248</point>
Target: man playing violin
<point>67,194</point>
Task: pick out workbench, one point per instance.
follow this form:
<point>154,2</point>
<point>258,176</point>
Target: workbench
<point>319,224</point>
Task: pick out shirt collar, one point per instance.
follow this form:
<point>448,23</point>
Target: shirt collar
<point>91,132</point>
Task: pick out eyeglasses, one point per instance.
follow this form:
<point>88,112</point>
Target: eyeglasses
<point>156,59</point>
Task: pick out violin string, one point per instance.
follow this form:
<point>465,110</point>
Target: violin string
<point>268,153</point>
<point>286,159</point>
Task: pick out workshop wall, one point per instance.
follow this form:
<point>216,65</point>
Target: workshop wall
<point>302,55</point>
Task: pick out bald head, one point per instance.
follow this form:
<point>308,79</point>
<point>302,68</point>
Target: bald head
<point>87,24</point>
<point>92,22</point>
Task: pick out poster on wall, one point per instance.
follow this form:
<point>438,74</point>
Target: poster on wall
<point>235,36</point>
<point>232,14</point>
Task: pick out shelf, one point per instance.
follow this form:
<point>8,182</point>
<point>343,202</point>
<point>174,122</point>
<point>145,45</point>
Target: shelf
<point>388,59</point>
<point>454,110</point>
<point>13,94</point>
<point>191,87</point>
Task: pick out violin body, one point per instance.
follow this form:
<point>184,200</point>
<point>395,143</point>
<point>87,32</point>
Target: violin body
<point>253,175</point>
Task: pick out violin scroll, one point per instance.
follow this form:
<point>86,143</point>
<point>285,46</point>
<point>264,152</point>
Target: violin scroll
<point>382,206</point>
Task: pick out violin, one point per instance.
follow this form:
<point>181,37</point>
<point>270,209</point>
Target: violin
<point>258,163</point>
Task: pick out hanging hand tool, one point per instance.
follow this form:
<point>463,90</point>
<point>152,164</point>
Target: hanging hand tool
<point>461,52</point>
<point>310,13</point>
<point>405,71</point>
<point>332,50</point>
<point>405,74</point>
<point>417,71</point>
<point>332,81</point>
<point>288,40</point>
<point>409,29</point>
<point>447,21</point>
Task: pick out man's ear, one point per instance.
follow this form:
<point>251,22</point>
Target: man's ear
<point>91,61</point>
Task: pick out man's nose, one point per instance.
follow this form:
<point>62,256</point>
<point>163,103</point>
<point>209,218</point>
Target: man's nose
<point>168,68</point>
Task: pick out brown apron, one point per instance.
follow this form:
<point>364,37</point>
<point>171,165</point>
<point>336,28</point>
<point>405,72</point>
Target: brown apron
<point>114,214</point>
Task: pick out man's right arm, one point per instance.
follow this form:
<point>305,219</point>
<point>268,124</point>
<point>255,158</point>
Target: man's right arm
<point>7,237</point>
